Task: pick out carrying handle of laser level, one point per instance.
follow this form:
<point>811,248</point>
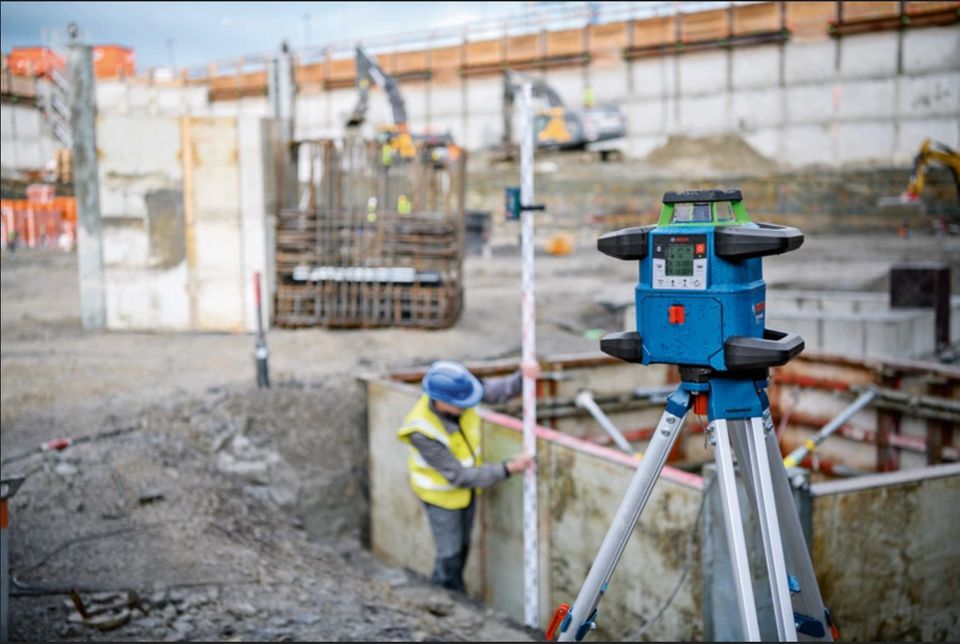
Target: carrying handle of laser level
<point>626,243</point>
<point>736,243</point>
<point>773,349</point>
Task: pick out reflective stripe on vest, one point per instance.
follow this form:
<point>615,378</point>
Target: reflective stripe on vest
<point>427,483</point>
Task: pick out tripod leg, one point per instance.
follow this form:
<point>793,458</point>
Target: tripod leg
<point>761,481</point>
<point>582,613</point>
<point>734,528</point>
<point>808,601</point>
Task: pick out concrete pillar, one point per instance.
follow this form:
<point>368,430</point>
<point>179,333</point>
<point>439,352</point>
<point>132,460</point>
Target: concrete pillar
<point>281,89</point>
<point>86,184</point>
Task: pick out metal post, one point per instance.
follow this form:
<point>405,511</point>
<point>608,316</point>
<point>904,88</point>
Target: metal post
<point>86,185</point>
<point>767,514</point>
<point>281,88</point>
<point>8,487</point>
<point>531,592</point>
<point>735,538</point>
<point>796,456</point>
<point>585,400</point>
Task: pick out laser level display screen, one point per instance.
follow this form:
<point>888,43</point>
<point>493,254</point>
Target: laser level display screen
<point>680,260</point>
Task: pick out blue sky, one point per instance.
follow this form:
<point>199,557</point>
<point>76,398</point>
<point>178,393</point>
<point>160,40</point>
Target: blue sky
<point>190,33</point>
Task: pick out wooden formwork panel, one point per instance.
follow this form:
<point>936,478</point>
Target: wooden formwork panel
<point>484,52</point>
<point>919,8</point>
<point>810,19</point>
<point>611,37</point>
<point>866,10</point>
<point>655,31</point>
<point>406,62</point>
<point>341,69</point>
<point>567,42</point>
<point>446,58</point>
<point>757,18</point>
<point>520,48</point>
<point>238,86</point>
<point>307,75</point>
<point>705,25</point>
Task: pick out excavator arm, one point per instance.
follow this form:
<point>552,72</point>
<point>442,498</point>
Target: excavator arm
<point>368,71</point>
<point>512,82</point>
<point>930,152</point>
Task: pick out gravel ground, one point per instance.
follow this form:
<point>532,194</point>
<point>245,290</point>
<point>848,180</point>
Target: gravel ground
<point>238,514</point>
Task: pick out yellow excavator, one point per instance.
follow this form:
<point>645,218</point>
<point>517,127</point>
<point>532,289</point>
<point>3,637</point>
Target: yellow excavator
<point>931,152</point>
<point>395,138</point>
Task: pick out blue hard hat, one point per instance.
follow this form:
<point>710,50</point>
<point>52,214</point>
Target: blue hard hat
<point>450,382</point>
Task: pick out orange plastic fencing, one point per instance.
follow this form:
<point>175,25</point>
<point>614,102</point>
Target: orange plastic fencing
<point>46,221</point>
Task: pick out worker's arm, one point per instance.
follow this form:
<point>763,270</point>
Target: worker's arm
<point>440,458</point>
<point>502,389</point>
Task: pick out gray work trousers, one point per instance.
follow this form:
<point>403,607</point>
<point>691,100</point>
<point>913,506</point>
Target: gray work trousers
<point>451,534</point>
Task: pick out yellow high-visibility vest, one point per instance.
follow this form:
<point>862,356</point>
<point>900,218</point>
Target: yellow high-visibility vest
<point>427,483</point>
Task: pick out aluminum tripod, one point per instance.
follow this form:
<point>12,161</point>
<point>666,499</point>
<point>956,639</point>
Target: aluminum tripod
<point>739,414</point>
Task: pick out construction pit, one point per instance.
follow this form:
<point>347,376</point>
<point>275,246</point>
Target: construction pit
<point>234,512</point>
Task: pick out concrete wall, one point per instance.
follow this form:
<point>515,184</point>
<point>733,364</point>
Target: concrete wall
<point>883,545</point>
<point>26,139</point>
<point>187,217</point>
<point>861,99</point>
<point>898,588</point>
<point>580,487</point>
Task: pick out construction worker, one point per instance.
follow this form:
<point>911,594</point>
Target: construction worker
<point>442,432</point>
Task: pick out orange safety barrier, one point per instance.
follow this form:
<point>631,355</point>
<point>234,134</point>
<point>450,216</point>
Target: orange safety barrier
<point>50,221</point>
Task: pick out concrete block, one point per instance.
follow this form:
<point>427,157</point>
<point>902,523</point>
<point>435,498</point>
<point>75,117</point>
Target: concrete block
<point>757,108</point>
<point>865,142</point>
<point>170,101</point>
<point>807,326</point>
<point>415,97</point>
<point>139,99</point>
<point>157,149</point>
<point>646,117</point>
<point>610,82</point>
<point>865,99</point>
<point>445,99</point>
<point>655,77</point>
<point>308,115</point>
<point>868,55</point>
<point>568,83</point>
<point>640,146</point>
<point>809,103</point>
<point>806,144</point>
<point>702,73</point>
<point>914,131</point>
<point>702,115</point>
<point>899,334</point>
<point>930,95</point>
<point>844,334</point>
<point>111,97</point>
<point>125,243</point>
<point>931,49</point>
<point>809,62</point>
<point>484,94</point>
<point>766,141</point>
<point>147,300</point>
<point>756,67</point>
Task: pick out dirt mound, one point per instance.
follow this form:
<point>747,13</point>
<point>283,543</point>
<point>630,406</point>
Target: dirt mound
<point>724,154</point>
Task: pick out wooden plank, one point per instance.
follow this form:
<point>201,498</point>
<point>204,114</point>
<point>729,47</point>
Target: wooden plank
<point>655,31</point>
<point>810,20</point>
<point>704,25</point>
<point>520,48</point>
<point>611,37</point>
<point>565,43</point>
<point>756,18</point>
<point>484,52</point>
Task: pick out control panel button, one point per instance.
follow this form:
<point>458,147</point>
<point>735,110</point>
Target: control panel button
<point>675,314</point>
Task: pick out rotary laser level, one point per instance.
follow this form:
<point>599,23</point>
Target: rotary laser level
<point>700,304</point>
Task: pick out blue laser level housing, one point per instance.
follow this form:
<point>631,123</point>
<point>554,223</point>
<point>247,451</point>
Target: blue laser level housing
<point>701,298</point>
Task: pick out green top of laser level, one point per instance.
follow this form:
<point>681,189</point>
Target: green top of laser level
<point>703,208</point>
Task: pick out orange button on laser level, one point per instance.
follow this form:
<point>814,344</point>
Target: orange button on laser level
<point>675,314</point>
